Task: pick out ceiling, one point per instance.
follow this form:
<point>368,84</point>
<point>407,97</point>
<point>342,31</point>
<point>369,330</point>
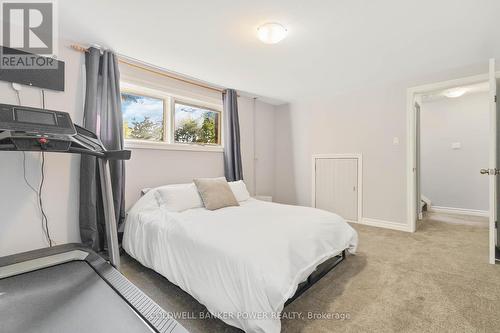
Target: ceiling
<point>332,47</point>
<point>437,95</point>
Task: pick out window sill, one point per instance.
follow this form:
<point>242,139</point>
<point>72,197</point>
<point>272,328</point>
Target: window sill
<point>137,144</point>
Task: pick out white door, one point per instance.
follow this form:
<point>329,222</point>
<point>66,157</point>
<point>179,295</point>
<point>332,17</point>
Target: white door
<point>493,164</point>
<point>336,186</point>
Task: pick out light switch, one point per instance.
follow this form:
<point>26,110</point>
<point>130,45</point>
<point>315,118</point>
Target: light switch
<point>395,140</point>
<point>456,145</point>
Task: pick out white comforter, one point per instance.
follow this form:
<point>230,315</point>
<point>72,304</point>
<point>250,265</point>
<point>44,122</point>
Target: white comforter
<point>242,263</point>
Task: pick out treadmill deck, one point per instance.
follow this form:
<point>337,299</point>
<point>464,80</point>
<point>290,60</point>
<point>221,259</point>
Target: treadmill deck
<point>69,297</point>
<point>71,289</point>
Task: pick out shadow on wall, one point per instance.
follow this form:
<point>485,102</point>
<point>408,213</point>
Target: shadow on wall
<point>284,179</point>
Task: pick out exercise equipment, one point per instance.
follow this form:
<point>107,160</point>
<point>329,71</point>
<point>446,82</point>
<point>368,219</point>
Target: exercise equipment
<point>70,288</point>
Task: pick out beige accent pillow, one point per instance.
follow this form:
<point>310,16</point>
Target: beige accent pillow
<point>215,193</point>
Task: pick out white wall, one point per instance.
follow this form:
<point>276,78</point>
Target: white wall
<point>345,68</point>
<point>20,223</point>
<point>450,178</point>
<point>284,159</point>
<point>257,144</point>
<point>154,167</point>
<point>265,149</point>
<point>247,143</point>
<point>347,124</point>
<point>364,120</point>
<point>151,168</point>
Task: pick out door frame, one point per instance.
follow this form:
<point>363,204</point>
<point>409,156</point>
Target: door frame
<point>418,158</point>
<point>359,158</point>
<point>411,175</point>
<point>493,162</point>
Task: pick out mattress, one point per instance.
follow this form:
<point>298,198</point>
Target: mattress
<point>243,263</point>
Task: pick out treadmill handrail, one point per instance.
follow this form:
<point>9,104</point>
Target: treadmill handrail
<point>84,142</point>
<point>83,151</point>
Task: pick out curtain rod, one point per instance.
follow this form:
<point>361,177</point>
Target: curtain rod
<point>151,68</point>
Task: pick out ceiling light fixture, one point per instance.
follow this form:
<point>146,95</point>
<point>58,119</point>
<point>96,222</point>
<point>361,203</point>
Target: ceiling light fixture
<point>454,93</point>
<point>271,33</point>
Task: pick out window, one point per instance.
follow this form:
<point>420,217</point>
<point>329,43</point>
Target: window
<point>142,117</point>
<point>157,120</point>
<point>195,124</point>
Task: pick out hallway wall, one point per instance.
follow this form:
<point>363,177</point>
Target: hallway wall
<point>450,176</point>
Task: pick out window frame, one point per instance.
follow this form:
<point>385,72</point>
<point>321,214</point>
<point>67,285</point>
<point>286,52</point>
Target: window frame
<point>208,108</point>
<point>169,100</point>
<point>165,106</point>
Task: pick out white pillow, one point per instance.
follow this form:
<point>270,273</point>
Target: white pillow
<point>239,190</point>
<point>179,197</point>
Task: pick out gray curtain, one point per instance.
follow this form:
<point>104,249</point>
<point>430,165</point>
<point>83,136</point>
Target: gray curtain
<point>102,115</point>
<point>232,152</point>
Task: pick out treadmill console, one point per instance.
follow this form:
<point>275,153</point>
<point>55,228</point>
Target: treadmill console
<point>33,129</point>
<point>35,121</point>
<point>30,129</point>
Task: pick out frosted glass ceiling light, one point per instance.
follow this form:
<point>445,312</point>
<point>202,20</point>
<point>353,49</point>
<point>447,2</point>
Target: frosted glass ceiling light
<point>454,93</point>
<point>271,33</point>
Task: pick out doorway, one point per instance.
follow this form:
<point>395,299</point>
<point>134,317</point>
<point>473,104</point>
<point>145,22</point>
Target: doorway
<point>452,146</point>
<point>423,176</point>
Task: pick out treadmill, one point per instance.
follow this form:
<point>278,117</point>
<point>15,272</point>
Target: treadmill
<point>70,288</point>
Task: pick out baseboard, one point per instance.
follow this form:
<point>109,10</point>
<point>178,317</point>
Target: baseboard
<point>426,200</point>
<point>383,224</point>
<point>459,211</point>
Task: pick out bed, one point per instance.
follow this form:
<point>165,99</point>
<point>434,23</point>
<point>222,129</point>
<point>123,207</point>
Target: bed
<point>243,263</point>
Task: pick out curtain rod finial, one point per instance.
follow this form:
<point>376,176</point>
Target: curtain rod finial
<point>78,48</point>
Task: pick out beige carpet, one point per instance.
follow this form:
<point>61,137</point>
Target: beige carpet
<point>436,280</point>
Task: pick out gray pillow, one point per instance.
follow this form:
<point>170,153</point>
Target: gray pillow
<point>215,193</point>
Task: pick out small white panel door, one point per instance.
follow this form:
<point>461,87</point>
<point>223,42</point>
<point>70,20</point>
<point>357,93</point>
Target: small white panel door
<point>336,187</point>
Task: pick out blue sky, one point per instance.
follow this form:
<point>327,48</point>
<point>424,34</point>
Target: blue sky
<point>153,108</point>
<point>185,112</point>
<point>143,107</point>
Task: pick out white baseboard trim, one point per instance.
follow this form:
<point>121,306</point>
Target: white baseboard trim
<point>458,211</point>
<point>383,224</point>
<point>426,200</point>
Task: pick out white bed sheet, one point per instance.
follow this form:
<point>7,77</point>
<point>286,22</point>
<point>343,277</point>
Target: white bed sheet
<point>242,263</point>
